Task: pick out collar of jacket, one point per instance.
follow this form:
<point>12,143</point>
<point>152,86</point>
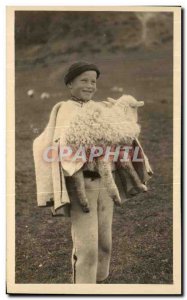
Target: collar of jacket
<point>78,100</point>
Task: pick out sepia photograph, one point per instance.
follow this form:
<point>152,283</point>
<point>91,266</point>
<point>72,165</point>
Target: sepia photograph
<point>93,150</point>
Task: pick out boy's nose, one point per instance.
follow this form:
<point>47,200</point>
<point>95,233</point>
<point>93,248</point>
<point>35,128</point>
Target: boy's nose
<point>89,84</point>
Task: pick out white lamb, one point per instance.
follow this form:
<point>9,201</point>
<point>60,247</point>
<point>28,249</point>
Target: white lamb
<point>112,122</point>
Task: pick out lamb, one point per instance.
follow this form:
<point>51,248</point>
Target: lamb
<point>112,122</point>
<point>129,105</point>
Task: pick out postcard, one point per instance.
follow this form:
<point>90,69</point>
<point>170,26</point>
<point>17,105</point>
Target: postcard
<point>94,150</point>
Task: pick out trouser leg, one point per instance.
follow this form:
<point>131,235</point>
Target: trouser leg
<point>85,234</point>
<point>105,216</point>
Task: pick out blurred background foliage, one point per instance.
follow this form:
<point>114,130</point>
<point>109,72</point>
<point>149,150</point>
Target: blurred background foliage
<point>42,35</point>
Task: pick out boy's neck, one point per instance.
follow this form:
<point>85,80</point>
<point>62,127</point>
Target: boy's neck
<point>79,100</point>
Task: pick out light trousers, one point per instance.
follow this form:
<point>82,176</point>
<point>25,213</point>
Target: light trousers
<point>91,233</point>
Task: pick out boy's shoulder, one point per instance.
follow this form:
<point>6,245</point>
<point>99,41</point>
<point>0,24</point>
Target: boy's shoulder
<point>65,106</point>
<point>61,103</point>
<point>66,103</point>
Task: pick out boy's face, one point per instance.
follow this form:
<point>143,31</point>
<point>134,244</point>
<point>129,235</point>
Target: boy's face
<point>84,85</point>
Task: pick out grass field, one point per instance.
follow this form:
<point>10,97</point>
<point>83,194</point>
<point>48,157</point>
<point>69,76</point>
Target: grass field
<point>142,228</point>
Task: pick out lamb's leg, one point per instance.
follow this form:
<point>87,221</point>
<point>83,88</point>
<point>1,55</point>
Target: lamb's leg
<point>127,169</point>
<point>105,171</point>
<point>78,180</point>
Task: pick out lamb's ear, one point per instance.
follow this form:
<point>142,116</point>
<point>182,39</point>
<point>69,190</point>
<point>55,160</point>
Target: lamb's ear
<point>140,103</point>
<point>106,103</point>
<point>110,102</point>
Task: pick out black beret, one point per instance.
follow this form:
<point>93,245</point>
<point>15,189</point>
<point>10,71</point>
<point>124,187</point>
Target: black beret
<point>78,68</point>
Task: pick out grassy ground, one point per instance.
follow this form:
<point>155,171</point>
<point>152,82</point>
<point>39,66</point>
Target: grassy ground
<point>142,228</point>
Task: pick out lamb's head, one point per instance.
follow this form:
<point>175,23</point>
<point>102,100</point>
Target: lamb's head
<point>130,105</point>
<point>129,100</point>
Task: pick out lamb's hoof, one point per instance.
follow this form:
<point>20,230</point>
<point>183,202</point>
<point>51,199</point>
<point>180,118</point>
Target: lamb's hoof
<point>117,200</point>
<point>143,188</point>
<point>135,190</point>
<point>85,209</point>
<point>132,192</point>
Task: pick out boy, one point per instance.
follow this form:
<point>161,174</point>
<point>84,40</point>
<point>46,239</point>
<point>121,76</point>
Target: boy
<point>91,232</point>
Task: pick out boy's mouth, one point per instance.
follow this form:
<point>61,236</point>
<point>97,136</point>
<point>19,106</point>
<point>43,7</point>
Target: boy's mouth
<point>88,92</point>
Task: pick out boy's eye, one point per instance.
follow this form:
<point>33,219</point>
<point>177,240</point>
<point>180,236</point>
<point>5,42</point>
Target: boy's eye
<point>86,80</point>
